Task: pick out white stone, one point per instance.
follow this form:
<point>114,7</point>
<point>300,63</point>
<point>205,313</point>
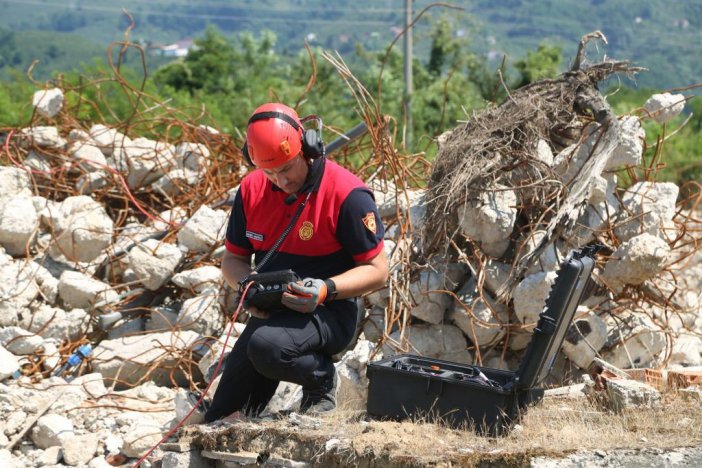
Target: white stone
<point>624,393</point>
<point>144,161</point>
<point>154,262</point>
<point>50,430</point>
<point>36,162</point>
<point>202,313</point>
<point>81,227</point>
<point>430,304</point>
<point>176,215</point>
<point>92,155</point>
<point>48,284</point>
<point>664,107</point>
<point>140,438</point>
<point>480,317</point>
<point>192,156</point>
<point>7,460</point>
<point>18,225</point>
<point>570,161</point>
<point>544,153</point>
<point>79,449</point>
<point>390,199</point>
<point>435,341</point>
<point>530,296</point>
<point>107,139</point>
<point>92,384</point>
<point>14,182</point>
<point>635,261</point>
<point>54,322</point>
<point>19,341</point>
<point>131,359</point>
<point>175,182</point>
<point>78,290</point>
<point>161,319</point>
<point>687,351</point>
<point>204,229</point>
<point>198,279</point>
<point>44,137</point>
<point>89,182</point>
<point>585,338</point>
<point>634,341</point>
<point>629,150</point>
<point>48,102</point>
<point>649,207</point>
<point>490,218</point>
<point>8,363</point>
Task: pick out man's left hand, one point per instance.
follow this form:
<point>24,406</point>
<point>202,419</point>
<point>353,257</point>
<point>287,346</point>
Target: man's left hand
<point>305,296</point>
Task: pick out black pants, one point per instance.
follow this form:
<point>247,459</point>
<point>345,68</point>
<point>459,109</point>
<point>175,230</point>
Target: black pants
<point>289,346</point>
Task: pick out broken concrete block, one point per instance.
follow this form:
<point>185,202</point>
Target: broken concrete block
<point>44,137</point>
<point>154,262</point>
<point>198,279</point>
<point>19,341</point>
<point>51,430</point>
<point>79,449</point>
<point>629,150</point>
<point>649,207</point>
<point>623,394</point>
<point>204,229</point>
<point>8,363</point>
<point>194,157</point>
<point>664,107</point>
<point>437,341</point>
<point>131,359</point>
<point>430,304</point>
<point>479,316</point>
<point>14,182</point>
<point>530,296</point>
<point>202,313</point>
<point>175,182</point>
<point>491,217</point>
<point>78,290</point>
<point>18,225</point>
<point>633,341</point>
<point>107,139</point>
<point>91,155</point>
<point>585,338</point>
<point>54,322</point>
<point>48,102</point>
<point>144,161</point>
<point>687,351</point>
<point>635,261</point>
<point>81,227</point>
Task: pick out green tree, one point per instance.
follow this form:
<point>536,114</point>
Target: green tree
<point>545,62</point>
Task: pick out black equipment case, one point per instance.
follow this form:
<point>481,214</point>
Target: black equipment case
<point>484,399</point>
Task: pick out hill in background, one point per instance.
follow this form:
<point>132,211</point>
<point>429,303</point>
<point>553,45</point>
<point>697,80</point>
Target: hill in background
<point>661,36</point>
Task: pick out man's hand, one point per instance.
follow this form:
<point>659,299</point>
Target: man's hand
<point>305,296</point>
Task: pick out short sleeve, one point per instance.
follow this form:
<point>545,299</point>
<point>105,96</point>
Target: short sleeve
<point>235,240</point>
<point>360,230</point>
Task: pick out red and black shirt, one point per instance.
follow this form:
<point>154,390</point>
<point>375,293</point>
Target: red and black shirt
<point>338,227</point>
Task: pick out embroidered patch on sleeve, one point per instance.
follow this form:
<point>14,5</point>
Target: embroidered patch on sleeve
<point>369,222</point>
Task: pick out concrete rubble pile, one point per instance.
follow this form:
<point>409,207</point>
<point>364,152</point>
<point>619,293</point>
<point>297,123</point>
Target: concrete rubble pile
<point>146,294</point>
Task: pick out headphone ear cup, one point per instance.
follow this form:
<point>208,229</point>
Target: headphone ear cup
<point>312,144</point>
<point>245,154</point>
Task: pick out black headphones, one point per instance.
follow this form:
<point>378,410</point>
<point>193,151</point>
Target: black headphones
<point>312,144</point>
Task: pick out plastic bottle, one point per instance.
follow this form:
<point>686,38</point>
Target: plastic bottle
<point>74,360</point>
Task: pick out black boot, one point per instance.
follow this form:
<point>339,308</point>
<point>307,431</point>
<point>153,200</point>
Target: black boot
<point>321,399</point>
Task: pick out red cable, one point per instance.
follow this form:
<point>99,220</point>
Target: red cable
<point>93,163</point>
<point>214,374</point>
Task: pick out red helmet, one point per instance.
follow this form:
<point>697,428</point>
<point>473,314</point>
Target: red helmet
<point>274,135</point>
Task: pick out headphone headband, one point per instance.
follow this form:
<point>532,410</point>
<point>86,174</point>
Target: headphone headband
<point>275,115</point>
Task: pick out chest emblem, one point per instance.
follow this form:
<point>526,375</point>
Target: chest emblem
<point>369,222</point>
<point>306,231</point>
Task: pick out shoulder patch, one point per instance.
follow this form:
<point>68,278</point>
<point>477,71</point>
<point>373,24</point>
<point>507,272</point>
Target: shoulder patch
<point>369,222</point>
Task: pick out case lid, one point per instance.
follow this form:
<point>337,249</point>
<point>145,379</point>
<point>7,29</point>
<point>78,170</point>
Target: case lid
<point>566,294</point>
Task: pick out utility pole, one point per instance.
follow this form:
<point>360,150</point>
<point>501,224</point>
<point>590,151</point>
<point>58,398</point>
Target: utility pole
<point>408,74</point>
